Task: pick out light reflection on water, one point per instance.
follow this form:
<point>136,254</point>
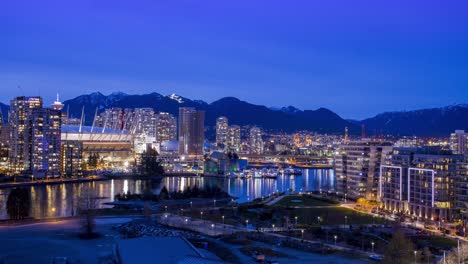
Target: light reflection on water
<point>60,199</point>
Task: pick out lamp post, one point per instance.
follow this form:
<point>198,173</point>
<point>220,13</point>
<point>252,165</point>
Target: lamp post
<point>223,218</point>
<point>247,223</point>
<point>273,227</point>
<point>214,203</point>
<point>372,243</point>
<point>295,218</point>
<point>165,208</point>
<point>302,233</point>
<point>186,220</point>
<point>415,252</point>
<point>345,197</point>
<point>201,215</point>
<point>318,220</point>
<point>345,221</point>
<point>335,237</point>
<point>213,228</point>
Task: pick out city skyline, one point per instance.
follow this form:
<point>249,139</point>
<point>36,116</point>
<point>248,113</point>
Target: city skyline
<point>358,60</point>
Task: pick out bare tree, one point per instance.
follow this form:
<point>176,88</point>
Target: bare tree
<point>399,250</point>
<point>87,205</point>
<point>457,255</point>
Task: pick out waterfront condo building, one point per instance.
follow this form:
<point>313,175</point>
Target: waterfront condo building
<point>43,143</point>
<point>256,142</point>
<point>234,139</point>
<point>357,165</point>
<point>72,159</point>
<point>222,129</point>
<point>191,131</point>
<point>459,142</point>
<point>166,127</point>
<point>20,110</point>
<point>427,183</point>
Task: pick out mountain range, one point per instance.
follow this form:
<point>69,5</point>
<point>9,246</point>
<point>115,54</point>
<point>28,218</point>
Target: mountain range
<point>425,122</point>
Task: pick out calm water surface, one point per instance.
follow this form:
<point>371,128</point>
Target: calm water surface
<point>60,199</point>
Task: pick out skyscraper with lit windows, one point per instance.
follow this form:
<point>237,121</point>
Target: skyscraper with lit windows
<point>222,131</point>
<point>191,131</point>
<point>20,110</point>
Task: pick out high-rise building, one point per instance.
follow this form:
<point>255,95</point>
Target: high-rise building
<point>427,183</point>
<point>256,142</point>
<point>191,131</point>
<point>357,166</point>
<point>222,131</point>
<point>20,110</point>
<point>166,127</point>
<point>234,139</point>
<point>43,143</point>
<point>145,121</point>
<point>461,189</point>
<point>72,159</point>
<point>459,142</point>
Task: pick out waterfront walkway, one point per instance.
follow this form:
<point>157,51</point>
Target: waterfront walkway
<point>52,181</point>
<point>216,229</point>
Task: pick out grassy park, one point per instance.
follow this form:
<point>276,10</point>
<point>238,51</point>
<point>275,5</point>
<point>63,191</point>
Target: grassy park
<point>302,200</point>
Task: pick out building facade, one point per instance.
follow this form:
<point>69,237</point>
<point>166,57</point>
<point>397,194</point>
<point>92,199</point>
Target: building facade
<point>191,131</point>
<point>222,128</point>
<point>426,183</point>
<point>234,139</point>
<point>357,166</point>
<point>166,127</point>
<point>458,142</point>
<point>256,142</point>
<point>43,143</point>
<point>18,117</point>
<point>72,159</point>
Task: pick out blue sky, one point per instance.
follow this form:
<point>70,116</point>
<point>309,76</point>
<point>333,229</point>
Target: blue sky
<point>357,58</point>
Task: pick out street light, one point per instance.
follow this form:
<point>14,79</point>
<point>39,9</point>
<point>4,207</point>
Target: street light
<point>165,208</point>
<point>223,219</point>
<point>345,221</point>
<point>372,243</point>
<point>247,223</point>
<point>415,252</point>
<point>335,237</point>
<point>201,215</point>
<point>273,227</point>
<point>318,220</point>
<point>295,218</point>
<point>302,233</point>
<point>345,197</point>
<point>214,203</point>
<point>186,220</point>
<point>190,204</point>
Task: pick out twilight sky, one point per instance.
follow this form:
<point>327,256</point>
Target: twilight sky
<point>357,58</point>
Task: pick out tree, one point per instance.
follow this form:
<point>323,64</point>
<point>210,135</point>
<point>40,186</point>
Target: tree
<point>454,257</point>
<point>87,205</point>
<point>399,250</point>
<point>164,193</point>
<point>150,164</point>
<point>18,204</point>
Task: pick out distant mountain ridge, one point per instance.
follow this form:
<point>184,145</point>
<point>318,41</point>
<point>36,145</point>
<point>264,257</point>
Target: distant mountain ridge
<point>425,122</point>
<point>238,112</point>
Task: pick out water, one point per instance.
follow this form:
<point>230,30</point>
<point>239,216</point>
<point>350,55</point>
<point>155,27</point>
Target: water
<point>60,200</point>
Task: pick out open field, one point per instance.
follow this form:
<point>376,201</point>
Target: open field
<point>298,200</point>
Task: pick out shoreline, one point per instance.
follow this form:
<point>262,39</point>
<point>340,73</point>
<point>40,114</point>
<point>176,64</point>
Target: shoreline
<point>52,181</point>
